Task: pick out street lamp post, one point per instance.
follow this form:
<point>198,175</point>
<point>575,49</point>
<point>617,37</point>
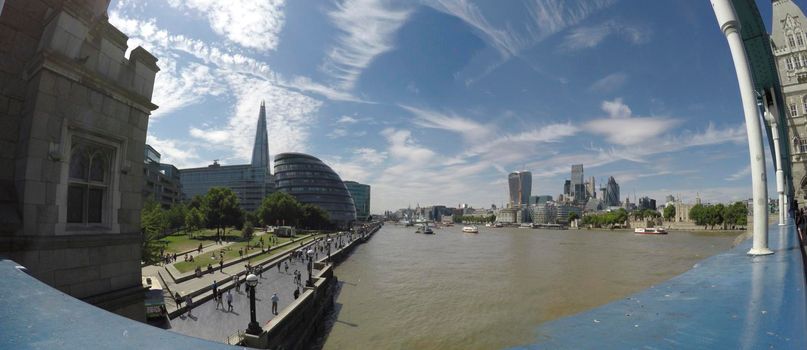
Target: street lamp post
<point>253,327</point>
<point>329,249</point>
<point>310,268</point>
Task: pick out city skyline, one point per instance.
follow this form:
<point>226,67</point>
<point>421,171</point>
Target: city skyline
<point>544,97</point>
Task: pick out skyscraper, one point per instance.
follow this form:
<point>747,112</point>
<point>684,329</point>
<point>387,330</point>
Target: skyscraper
<point>591,188</point>
<point>611,193</point>
<point>567,188</point>
<point>577,187</point>
<point>520,183</point>
<point>250,182</point>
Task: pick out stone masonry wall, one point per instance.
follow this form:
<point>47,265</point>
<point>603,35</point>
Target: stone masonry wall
<point>63,75</point>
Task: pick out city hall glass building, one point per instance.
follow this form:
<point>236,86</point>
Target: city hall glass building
<point>250,182</point>
<point>361,197</point>
<point>312,182</point>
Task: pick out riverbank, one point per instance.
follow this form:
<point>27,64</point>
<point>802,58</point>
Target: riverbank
<point>293,327</point>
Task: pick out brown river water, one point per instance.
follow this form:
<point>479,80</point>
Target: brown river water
<point>454,290</point>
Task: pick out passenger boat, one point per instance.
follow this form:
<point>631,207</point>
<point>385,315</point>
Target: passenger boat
<point>470,229</point>
<point>427,230</point>
<point>650,231</point>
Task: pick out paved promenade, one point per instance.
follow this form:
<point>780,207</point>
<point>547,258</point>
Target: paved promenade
<point>214,323</point>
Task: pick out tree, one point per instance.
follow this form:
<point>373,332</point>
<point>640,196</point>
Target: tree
<point>221,208</point>
<point>153,223</point>
<point>176,215</point>
<point>698,214</point>
<point>194,220</point>
<point>573,216</point>
<point>315,217</point>
<point>247,231</point>
<point>669,212</point>
<point>280,208</point>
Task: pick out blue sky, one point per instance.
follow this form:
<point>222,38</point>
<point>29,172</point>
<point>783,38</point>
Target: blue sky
<point>435,101</point>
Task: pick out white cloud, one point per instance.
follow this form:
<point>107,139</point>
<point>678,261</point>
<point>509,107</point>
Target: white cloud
<point>470,129</point>
<point>609,83</point>
<point>224,71</point>
<point>346,119</point>
<point>366,29</point>
<point>622,128</point>
<point>288,114</point>
<point>369,155</point>
<point>743,173</point>
<point>251,24</point>
<point>547,17</point>
<point>590,36</point>
<point>181,154</point>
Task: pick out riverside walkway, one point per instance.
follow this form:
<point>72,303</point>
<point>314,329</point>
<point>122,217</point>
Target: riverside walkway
<point>209,321</point>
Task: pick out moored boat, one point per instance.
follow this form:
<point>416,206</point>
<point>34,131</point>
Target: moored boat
<point>470,229</point>
<point>650,231</point>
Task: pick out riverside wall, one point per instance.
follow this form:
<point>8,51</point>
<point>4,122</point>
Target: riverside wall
<point>294,327</point>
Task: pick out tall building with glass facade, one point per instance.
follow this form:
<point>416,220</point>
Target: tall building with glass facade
<point>611,193</point>
<point>520,184</point>
<point>250,182</point>
<point>313,182</point>
<point>160,181</point>
<point>578,188</point>
<point>361,198</point>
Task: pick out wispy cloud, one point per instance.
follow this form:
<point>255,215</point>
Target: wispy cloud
<point>223,71</point>
<point>622,128</point>
<point>366,30</point>
<point>182,154</point>
<point>251,24</point>
<point>450,122</point>
<point>609,83</point>
<point>743,173</point>
<point>586,37</point>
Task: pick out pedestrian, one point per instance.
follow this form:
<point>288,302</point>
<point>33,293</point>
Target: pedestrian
<point>237,283</point>
<point>286,266</point>
<point>275,299</point>
<point>189,305</point>
<point>296,293</point>
<point>260,271</point>
<point>221,265</point>
<point>199,250</point>
<point>178,300</point>
<point>219,300</point>
<point>278,266</point>
<point>229,301</point>
<point>215,287</point>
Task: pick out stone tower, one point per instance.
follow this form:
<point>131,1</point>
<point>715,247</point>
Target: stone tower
<point>789,46</point>
<point>74,113</point>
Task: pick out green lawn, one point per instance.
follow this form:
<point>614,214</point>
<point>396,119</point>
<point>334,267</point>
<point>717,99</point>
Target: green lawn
<point>181,241</point>
<point>230,252</point>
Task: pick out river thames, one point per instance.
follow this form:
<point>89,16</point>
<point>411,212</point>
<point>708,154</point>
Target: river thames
<point>490,290</point>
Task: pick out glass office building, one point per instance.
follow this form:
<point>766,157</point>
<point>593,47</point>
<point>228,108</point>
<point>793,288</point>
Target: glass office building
<point>361,197</point>
<point>313,182</point>
<point>250,182</point>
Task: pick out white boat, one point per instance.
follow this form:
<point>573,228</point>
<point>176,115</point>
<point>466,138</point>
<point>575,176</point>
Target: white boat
<point>526,225</point>
<point>488,224</point>
<point>650,230</point>
<point>470,229</point>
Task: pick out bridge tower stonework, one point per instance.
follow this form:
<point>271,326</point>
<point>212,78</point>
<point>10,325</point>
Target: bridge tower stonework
<point>73,118</point>
<point>789,46</point>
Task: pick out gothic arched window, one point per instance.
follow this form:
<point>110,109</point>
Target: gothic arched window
<point>800,38</point>
<point>88,182</point>
<point>790,41</point>
<point>789,62</point>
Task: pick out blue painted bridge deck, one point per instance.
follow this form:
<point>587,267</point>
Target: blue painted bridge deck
<point>729,301</point>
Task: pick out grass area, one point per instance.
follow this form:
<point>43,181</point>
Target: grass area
<point>181,241</point>
<point>231,252</point>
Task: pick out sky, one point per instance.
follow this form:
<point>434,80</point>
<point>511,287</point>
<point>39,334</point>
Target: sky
<point>436,101</point>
